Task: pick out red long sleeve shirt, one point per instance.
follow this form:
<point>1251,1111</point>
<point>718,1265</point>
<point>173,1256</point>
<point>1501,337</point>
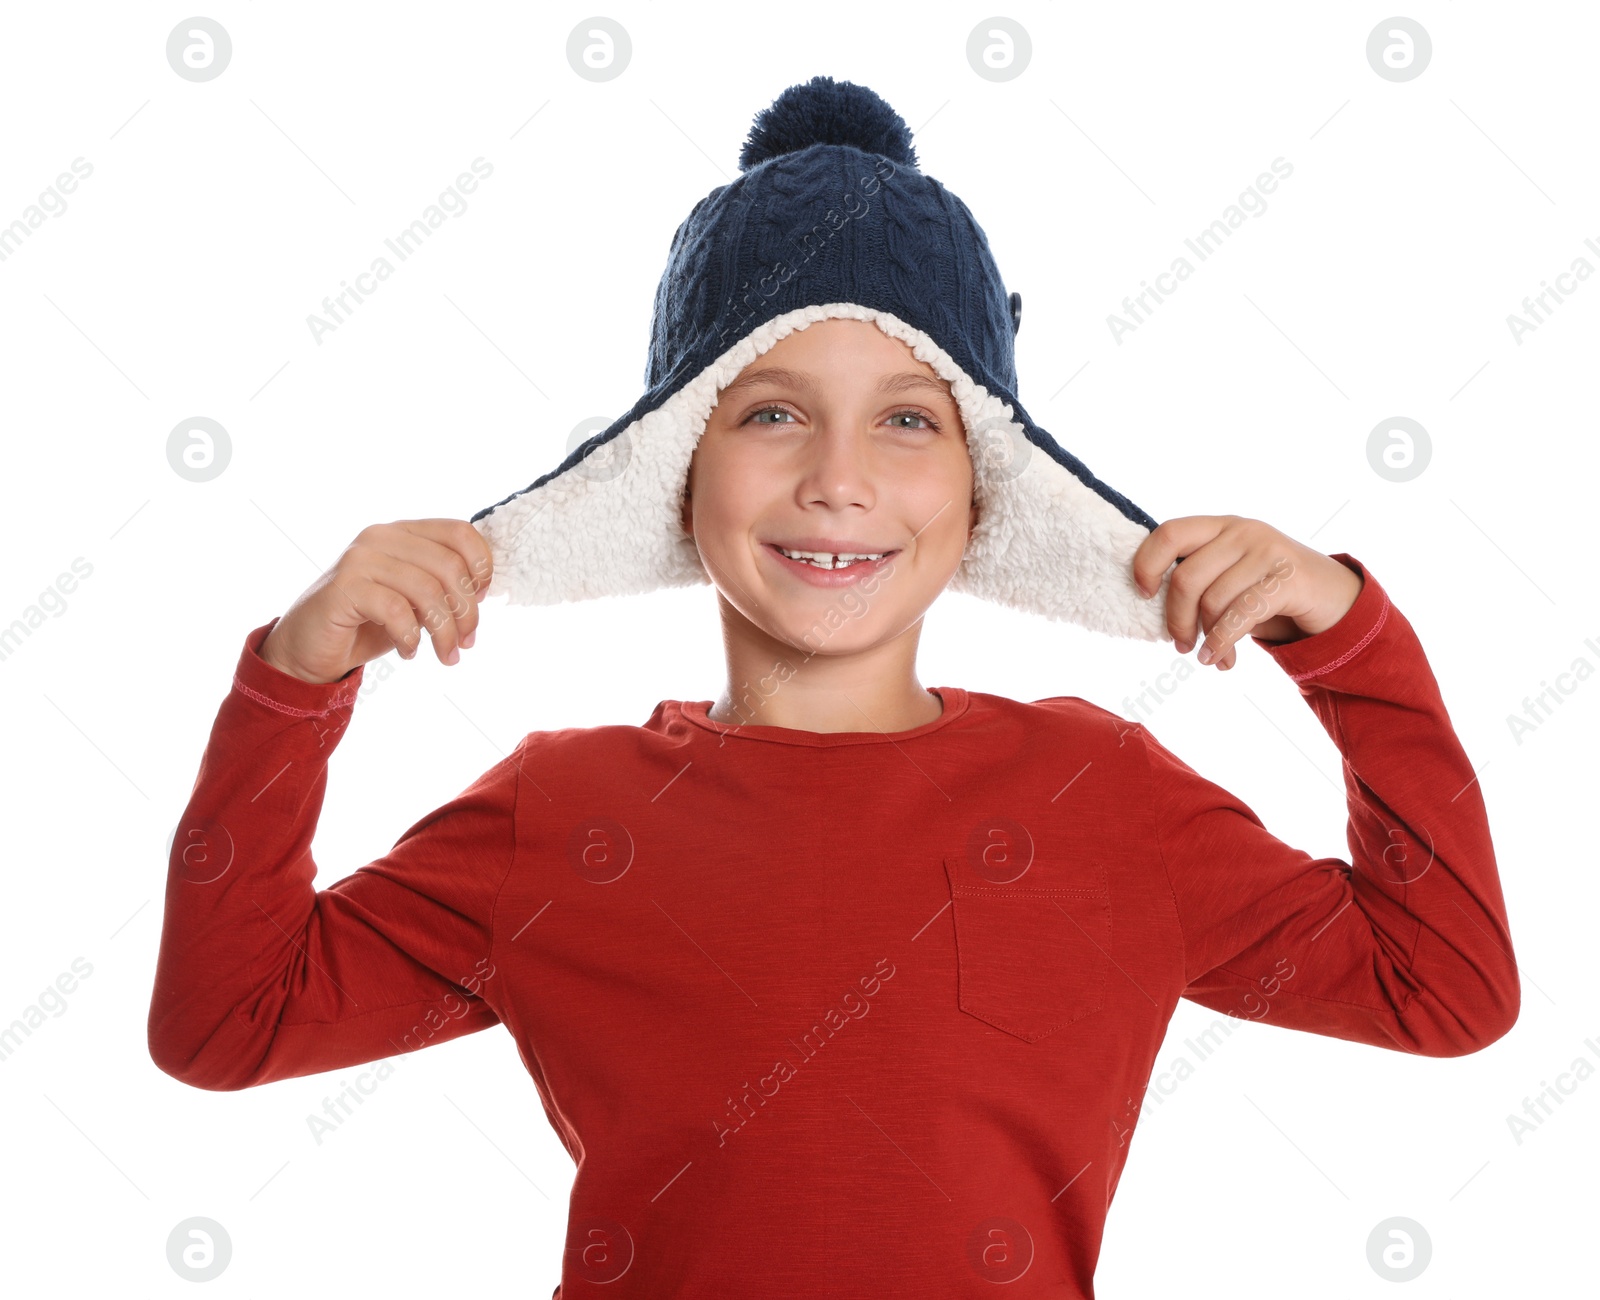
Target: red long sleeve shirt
<point>836,1014</point>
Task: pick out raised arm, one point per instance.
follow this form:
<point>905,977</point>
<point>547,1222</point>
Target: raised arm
<point>260,976</point>
<point>1405,945</point>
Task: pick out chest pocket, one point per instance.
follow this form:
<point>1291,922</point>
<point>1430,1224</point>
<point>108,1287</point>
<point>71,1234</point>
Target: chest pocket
<point>1031,957</point>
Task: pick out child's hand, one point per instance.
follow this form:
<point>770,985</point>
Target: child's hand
<point>1238,576</point>
<point>392,579</point>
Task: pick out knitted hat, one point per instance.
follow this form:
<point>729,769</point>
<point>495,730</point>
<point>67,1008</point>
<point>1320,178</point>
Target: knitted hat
<point>829,217</point>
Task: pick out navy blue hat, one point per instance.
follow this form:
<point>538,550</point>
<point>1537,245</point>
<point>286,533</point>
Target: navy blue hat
<point>830,216</point>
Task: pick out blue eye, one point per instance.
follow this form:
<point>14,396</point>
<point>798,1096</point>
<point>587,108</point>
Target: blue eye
<point>932,424</point>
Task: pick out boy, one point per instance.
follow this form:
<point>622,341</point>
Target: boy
<point>836,985</point>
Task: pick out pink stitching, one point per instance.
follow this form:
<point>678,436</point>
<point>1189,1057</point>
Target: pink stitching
<point>1383,614</point>
<point>344,697</point>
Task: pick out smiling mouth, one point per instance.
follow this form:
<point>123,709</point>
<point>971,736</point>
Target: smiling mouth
<point>831,563</point>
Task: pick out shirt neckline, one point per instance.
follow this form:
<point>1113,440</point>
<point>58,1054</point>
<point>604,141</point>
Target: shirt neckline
<point>956,700</point>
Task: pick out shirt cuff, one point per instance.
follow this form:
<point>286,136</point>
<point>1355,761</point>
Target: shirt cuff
<point>1326,650</point>
<point>255,678</point>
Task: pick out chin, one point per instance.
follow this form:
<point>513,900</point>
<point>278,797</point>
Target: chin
<point>827,639</point>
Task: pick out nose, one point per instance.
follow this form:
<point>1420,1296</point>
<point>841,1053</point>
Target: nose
<point>838,469</point>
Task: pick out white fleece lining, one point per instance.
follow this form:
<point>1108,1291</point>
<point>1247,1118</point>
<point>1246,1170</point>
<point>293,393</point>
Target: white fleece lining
<point>1045,542</point>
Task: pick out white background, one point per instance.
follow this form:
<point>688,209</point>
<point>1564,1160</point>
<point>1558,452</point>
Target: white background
<point>218,216</point>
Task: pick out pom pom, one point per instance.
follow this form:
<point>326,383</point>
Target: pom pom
<point>825,111</point>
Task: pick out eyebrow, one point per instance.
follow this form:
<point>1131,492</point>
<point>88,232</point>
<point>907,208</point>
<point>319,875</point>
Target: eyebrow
<point>899,382</point>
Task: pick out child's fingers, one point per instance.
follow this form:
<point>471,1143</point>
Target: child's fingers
<point>1238,601</point>
<point>418,542</point>
<point>476,560</point>
<point>387,608</point>
<point>432,604</point>
<point>1192,582</point>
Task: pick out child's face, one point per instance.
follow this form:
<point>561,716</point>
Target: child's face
<point>842,461</point>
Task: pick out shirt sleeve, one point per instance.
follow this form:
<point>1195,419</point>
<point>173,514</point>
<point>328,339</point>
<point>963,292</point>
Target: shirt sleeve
<point>1406,945</point>
<point>260,976</point>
